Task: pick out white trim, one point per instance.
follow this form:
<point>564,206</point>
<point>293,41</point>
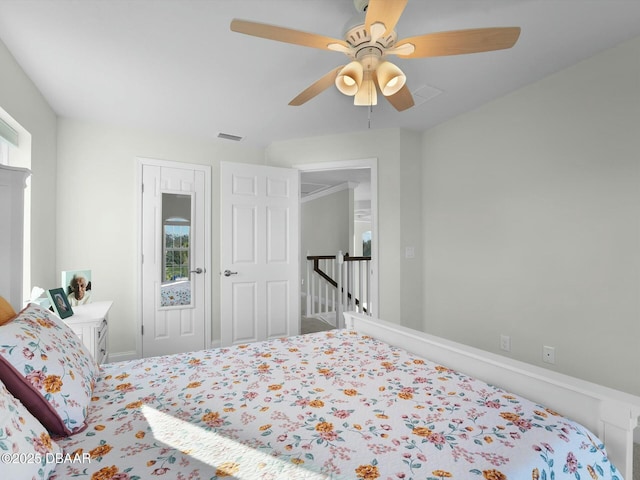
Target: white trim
<point>329,191</point>
<point>206,169</point>
<point>372,164</point>
<point>611,414</point>
<point>4,152</point>
<point>8,133</point>
<point>123,356</point>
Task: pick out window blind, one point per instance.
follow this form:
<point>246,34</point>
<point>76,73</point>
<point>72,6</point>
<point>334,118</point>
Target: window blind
<point>7,133</point>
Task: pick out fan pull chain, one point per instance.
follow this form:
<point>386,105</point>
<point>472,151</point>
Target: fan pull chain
<point>370,106</point>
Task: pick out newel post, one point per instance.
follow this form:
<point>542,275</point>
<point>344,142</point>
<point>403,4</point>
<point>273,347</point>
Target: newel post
<point>340,305</point>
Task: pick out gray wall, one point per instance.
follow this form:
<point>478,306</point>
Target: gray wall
<point>21,100</point>
<point>327,224</point>
<point>531,221</point>
<point>98,163</point>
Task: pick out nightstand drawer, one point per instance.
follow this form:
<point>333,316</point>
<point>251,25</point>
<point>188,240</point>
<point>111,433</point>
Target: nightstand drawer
<point>103,330</point>
<point>101,353</point>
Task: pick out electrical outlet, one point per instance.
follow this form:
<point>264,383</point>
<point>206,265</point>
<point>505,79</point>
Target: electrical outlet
<point>549,354</point>
<point>505,343</point>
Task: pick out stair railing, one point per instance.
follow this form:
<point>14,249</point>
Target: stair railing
<point>338,283</point>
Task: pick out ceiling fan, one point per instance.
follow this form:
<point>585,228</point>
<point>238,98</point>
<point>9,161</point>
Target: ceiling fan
<point>369,41</point>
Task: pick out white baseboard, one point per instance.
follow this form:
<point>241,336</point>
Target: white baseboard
<point>122,356</point>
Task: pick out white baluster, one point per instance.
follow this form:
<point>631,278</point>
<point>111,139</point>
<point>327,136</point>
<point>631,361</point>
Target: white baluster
<point>340,309</point>
<point>308,286</point>
<point>360,287</point>
<point>326,287</point>
<point>314,281</point>
<point>352,284</point>
<point>334,261</point>
<point>368,280</point>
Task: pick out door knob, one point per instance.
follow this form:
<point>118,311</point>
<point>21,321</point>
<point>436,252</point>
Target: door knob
<point>197,270</point>
<point>228,273</point>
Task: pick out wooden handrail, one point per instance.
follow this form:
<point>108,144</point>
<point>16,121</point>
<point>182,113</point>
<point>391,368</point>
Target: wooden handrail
<point>316,268</point>
<point>347,258</point>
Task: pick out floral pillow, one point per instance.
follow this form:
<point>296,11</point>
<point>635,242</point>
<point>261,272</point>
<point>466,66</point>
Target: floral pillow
<point>48,368</point>
<point>26,447</point>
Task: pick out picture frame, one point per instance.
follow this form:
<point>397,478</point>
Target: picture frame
<point>70,279</point>
<point>59,302</point>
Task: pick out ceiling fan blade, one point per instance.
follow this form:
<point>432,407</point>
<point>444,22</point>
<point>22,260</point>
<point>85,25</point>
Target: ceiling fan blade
<point>401,100</point>
<point>282,34</point>
<point>317,87</point>
<point>387,12</point>
<point>458,42</point>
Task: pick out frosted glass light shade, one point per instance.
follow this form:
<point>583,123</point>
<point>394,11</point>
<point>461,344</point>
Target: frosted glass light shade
<point>390,78</point>
<point>367,94</point>
<point>349,78</point>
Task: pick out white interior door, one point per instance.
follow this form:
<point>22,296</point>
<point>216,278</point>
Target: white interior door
<point>176,246</point>
<point>259,292</point>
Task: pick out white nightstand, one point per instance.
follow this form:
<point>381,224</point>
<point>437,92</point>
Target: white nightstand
<point>90,322</point>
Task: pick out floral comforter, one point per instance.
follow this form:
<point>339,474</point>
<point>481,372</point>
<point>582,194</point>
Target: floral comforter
<point>325,405</point>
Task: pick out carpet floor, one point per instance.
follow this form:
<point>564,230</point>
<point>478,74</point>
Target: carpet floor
<point>311,325</point>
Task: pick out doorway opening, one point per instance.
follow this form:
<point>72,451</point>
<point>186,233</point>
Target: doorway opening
<point>338,215</point>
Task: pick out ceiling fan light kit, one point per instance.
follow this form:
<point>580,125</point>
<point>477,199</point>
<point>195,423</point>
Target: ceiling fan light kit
<point>367,94</point>
<point>349,78</point>
<point>390,78</point>
<point>368,42</point>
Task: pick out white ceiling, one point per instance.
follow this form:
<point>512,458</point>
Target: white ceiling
<point>313,183</point>
<point>175,66</point>
<point>317,181</point>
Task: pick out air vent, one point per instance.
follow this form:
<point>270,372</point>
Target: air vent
<point>425,93</point>
<point>228,136</point>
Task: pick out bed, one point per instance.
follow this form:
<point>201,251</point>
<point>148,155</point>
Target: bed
<point>337,404</point>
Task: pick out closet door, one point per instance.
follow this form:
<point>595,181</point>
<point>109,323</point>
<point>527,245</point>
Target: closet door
<point>176,257</point>
<point>12,183</point>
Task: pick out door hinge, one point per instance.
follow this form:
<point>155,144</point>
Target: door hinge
<point>143,188</point>
<point>141,329</point>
